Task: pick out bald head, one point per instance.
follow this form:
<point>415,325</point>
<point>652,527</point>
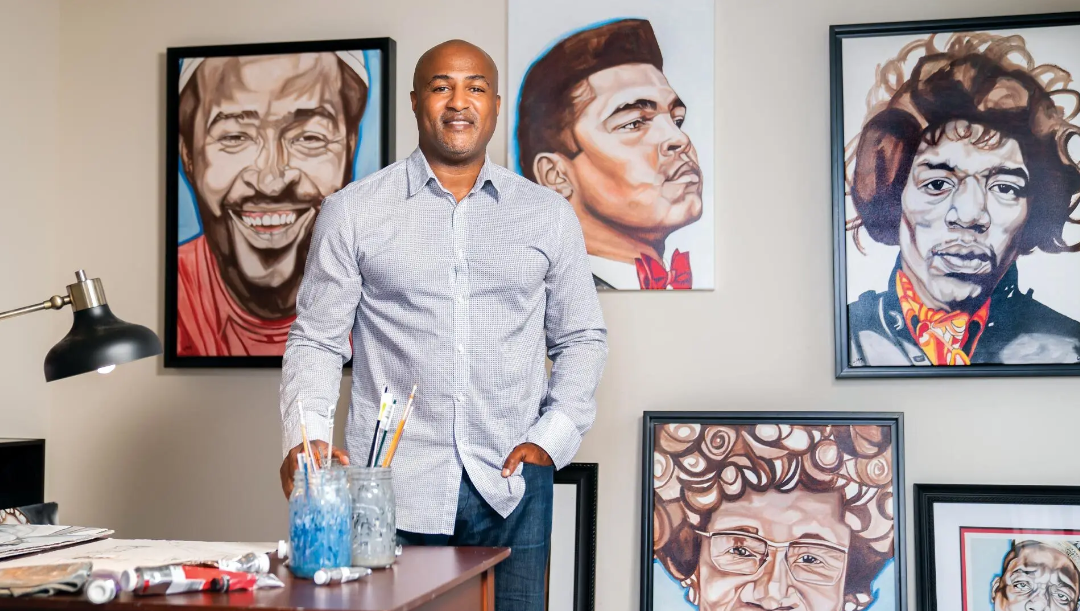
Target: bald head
<point>452,52</point>
<point>456,101</point>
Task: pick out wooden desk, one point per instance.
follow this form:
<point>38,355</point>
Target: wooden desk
<point>423,579</point>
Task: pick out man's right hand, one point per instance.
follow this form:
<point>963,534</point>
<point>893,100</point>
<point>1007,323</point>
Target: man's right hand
<point>288,466</point>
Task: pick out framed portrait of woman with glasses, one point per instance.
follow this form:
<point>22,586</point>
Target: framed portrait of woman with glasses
<point>745,510</point>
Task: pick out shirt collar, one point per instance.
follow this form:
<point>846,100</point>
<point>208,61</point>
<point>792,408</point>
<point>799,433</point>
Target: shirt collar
<point>419,174</point>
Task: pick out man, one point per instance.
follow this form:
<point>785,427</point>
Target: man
<point>263,139</point>
<point>455,273</point>
<point>965,169</point>
<point>1038,575</point>
<point>599,124</point>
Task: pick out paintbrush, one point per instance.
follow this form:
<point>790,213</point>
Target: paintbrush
<point>400,428</point>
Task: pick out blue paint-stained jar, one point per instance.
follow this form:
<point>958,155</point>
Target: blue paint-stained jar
<point>320,522</point>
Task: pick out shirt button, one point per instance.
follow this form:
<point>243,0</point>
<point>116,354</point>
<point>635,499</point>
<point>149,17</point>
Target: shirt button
<point>461,253</point>
<point>461,348</point>
<point>460,398</point>
<point>461,299</point>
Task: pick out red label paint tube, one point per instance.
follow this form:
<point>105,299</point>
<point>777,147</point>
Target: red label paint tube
<point>177,579</point>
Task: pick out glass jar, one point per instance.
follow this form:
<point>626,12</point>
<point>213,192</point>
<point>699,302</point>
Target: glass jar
<point>320,517</point>
<point>374,529</point>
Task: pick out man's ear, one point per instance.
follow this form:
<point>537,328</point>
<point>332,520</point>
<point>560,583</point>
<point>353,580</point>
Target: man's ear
<point>498,104</point>
<point>185,158</point>
<point>413,99</point>
<point>995,586</point>
<point>553,171</point>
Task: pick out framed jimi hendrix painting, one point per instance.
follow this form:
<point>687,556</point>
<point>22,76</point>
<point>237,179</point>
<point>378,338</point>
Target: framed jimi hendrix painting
<point>956,178</point>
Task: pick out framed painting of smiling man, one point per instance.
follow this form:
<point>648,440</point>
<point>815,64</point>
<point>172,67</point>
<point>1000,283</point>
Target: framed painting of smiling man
<point>956,176</point>
<point>750,511</point>
<point>611,106</point>
<point>257,136</point>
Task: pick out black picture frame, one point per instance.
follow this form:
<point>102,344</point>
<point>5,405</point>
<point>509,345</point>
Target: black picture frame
<point>584,477</point>
<point>837,34</point>
<point>894,421</point>
<point>928,495</point>
<point>173,56</point>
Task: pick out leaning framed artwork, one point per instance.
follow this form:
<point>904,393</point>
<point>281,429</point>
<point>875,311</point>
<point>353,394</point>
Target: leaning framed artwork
<point>956,178</point>
<point>611,105</point>
<point>571,573</point>
<point>997,548</point>
<point>256,136</point>
<point>773,510</point>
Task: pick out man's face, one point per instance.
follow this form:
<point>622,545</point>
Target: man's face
<point>637,168</point>
<point>963,210</point>
<point>1040,578</point>
<point>456,102</point>
<point>269,143</point>
<point>808,575</point>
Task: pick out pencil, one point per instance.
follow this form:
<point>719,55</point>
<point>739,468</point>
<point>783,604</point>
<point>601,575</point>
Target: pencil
<point>400,427</point>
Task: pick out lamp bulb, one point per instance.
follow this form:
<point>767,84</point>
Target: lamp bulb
<point>106,369</point>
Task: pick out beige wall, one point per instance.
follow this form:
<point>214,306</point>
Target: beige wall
<point>167,453</point>
<point>29,198</point>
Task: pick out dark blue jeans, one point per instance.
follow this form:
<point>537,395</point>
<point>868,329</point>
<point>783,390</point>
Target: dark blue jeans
<point>519,580</point>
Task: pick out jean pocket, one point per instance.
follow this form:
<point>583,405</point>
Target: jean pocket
<point>538,473</point>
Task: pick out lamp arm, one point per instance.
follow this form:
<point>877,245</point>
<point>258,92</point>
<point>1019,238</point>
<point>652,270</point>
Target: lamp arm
<point>53,303</point>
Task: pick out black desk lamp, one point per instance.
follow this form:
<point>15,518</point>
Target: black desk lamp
<point>98,340</point>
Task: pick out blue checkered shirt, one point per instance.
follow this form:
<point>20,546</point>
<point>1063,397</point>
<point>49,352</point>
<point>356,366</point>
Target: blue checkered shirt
<point>465,299</point>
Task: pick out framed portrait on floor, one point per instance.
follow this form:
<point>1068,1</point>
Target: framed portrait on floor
<point>956,178</point>
<point>786,510</point>
<point>997,548</point>
<point>611,104</point>
<point>256,136</point>
<point>571,574</point>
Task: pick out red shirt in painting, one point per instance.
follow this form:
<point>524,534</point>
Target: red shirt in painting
<point>209,322</point>
<point>946,338</point>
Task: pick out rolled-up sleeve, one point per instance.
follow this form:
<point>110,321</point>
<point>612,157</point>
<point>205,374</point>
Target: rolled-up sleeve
<point>319,340</point>
<point>576,343</point>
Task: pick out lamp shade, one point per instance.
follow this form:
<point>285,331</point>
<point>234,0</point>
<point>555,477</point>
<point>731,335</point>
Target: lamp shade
<point>99,339</point>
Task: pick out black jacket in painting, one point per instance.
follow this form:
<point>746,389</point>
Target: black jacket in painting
<point>1019,330</point>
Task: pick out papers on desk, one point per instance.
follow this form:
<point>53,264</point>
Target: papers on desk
<point>120,554</point>
<point>19,539</point>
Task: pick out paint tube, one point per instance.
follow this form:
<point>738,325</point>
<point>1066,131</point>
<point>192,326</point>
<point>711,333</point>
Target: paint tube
<point>102,587</point>
<point>342,574</point>
<point>185,578</point>
<point>248,563</point>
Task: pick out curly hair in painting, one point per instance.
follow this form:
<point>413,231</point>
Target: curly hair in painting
<point>981,88</point>
<point>705,474</point>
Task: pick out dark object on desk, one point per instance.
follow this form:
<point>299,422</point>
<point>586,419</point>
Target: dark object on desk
<point>98,340</point>
<point>43,580</point>
<point>22,472</point>
<point>37,514</point>
<point>422,579</point>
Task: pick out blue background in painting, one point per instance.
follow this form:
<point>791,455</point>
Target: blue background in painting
<point>987,554</point>
<point>367,158</point>
<point>668,595</point>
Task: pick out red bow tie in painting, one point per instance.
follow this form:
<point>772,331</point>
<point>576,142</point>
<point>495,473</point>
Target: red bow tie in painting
<point>652,275</point>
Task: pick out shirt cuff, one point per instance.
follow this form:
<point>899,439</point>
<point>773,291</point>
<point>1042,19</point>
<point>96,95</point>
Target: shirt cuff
<point>316,431</point>
<point>557,434</point>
